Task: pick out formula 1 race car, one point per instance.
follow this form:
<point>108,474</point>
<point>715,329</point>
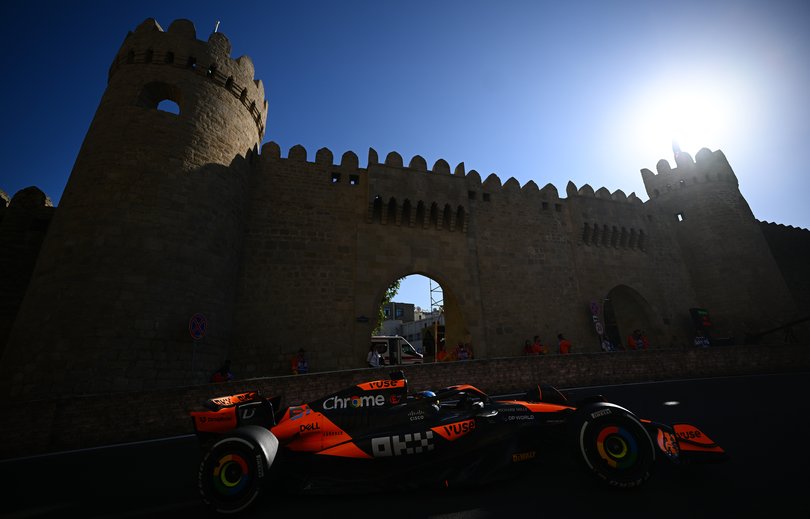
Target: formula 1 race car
<point>377,434</point>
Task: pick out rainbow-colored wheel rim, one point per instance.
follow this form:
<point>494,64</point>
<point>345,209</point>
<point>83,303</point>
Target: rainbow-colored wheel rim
<point>617,447</point>
<point>231,475</point>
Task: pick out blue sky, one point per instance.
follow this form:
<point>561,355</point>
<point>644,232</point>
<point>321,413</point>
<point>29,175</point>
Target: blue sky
<point>588,91</point>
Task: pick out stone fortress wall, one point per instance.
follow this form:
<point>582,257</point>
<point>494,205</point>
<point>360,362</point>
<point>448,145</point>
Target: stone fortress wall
<point>790,247</point>
<point>167,215</point>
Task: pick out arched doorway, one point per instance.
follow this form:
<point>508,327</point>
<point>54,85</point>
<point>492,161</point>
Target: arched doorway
<point>626,310</point>
<point>425,313</point>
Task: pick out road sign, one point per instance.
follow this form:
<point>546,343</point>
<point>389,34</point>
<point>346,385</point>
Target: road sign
<point>197,326</point>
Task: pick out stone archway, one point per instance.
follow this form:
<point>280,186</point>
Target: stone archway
<point>456,325</point>
<point>626,310</point>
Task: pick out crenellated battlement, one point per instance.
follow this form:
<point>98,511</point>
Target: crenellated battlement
<point>586,191</point>
<point>782,228</point>
<point>435,198</point>
<point>179,48</point>
<point>492,185</point>
<point>707,166</point>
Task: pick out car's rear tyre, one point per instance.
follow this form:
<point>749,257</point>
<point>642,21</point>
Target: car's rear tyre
<point>232,474</point>
<point>615,446</point>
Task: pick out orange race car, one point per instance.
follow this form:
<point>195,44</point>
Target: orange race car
<point>377,434</point>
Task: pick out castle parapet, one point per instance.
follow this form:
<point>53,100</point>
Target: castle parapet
<point>179,47</point>
<point>708,166</point>
<point>464,185</point>
<point>586,191</point>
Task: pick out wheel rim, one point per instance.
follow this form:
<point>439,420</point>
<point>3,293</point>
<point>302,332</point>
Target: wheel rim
<point>617,447</point>
<point>231,475</point>
<point>230,479</point>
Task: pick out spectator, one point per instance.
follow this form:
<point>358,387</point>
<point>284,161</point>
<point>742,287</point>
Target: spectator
<point>631,340</point>
<point>527,347</point>
<point>645,342</point>
<point>538,348</point>
<point>223,374</point>
<point>565,344</point>
<point>463,352</point>
<point>637,341</point>
<point>701,341</point>
<point>300,364</point>
<point>441,354</point>
<point>373,358</point>
<point>428,343</point>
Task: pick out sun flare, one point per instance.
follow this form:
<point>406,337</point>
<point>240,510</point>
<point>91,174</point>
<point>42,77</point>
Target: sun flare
<point>693,119</point>
<point>693,114</point>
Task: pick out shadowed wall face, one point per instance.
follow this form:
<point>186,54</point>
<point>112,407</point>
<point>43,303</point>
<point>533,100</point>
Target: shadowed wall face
<point>24,221</point>
<point>149,230</point>
<point>730,263</point>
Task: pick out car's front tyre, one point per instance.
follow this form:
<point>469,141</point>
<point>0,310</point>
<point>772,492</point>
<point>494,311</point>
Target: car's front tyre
<point>615,446</point>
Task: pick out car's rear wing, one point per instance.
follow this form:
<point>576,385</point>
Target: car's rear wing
<point>221,402</point>
<point>228,412</point>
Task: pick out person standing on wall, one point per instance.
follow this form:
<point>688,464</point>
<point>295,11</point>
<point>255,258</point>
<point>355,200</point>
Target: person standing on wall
<point>538,348</point>
<point>441,353</point>
<point>636,341</point>
<point>463,352</point>
<point>373,357</point>
<point>565,344</point>
<point>300,364</point>
<point>223,374</point>
<point>645,342</point>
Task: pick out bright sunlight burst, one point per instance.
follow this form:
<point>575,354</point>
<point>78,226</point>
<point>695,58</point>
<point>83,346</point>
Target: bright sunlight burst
<point>695,112</point>
<point>693,117</point>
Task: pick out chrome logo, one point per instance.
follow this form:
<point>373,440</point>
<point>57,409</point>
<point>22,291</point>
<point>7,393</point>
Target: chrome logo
<point>231,475</point>
<point>617,447</point>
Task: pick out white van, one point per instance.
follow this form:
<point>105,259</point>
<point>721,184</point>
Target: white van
<point>394,349</point>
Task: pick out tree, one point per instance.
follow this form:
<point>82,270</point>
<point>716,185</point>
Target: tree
<point>390,293</point>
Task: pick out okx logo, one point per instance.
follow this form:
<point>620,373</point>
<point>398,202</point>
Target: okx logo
<point>402,444</point>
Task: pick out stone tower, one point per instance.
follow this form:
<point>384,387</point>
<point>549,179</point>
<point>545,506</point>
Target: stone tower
<point>152,218</point>
<point>733,271</point>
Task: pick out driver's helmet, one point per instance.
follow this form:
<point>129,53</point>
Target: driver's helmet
<point>425,394</point>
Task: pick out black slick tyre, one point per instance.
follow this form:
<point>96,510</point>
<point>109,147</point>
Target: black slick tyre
<point>231,475</point>
<point>615,446</point>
